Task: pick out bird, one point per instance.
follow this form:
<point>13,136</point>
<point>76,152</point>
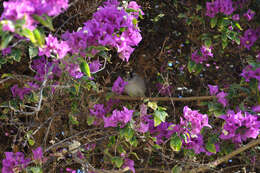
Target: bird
<point>135,86</point>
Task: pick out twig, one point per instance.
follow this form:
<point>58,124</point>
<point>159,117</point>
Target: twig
<point>73,3</point>
<point>226,157</point>
<point>183,99</point>
<point>104,66</point>
<point>46,135</point>
<point>59,86</point>
<point>152,169</point>
<point>2,81</point>
<point>65,23</point>
<point>42,124</point>
<point>38,108</point>
<point>64,140</point>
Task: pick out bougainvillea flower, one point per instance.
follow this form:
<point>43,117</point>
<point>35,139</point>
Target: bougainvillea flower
<point>119,85</point>
<point>213,89</point>
<point>249,14</point>
<point>221,96</point>
<point>117,116</point>
<point>239,126</point>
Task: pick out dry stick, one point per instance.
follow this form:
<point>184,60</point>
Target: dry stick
<point>199,98</point>
<point>226,157</point>
<point>46,135</point>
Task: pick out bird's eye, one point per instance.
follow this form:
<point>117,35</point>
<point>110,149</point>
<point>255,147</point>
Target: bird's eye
<point>132,74</point>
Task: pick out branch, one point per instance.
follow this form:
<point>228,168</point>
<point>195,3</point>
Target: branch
<point>38,107</point>
<point>226,157</point>
<point>183,99</point>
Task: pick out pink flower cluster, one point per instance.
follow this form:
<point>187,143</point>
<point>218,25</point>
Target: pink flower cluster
<point>112,27</point>
<point>219,6</point>
<point>239,126</point>
<point>205,53</point>
<point>18,9</point>
<point>221,96</point>
<point>20,92</point>
<point>53,46</point>
<point>117,116</point>
<point>123,117</point>
<point>249,14</point>
<point>250,37</point>
<point>16,162</point>
<point>194,121</point>
<point>192,124</point>
<point>250,73</point>
<point>119,85</point>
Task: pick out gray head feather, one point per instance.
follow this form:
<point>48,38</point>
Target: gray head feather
<point>136,86</point>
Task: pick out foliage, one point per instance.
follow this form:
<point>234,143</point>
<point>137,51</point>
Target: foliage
<point>68,71</point>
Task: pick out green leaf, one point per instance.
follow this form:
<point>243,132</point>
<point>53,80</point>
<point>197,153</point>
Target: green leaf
<point>127,133</point>
<point>31,141</point>
<point>33,52</point>
<point>238,26</point>
<point>122,29</point>
<point>191,66</point>
<point>213,22</point>
<point>161,115</point>
<point>84,67</point>
<point>121,149</point>
<point>134,21</point>
<point>181,15</point>
<point>39,37</point>
<point>133,142</point>
<point>100,48</point>
<point>73,120</point>
<point>129,10</point>
<point>157,121</point>
<point>3,60</point>
<point>158,17</point>
<point>224,37</point>
<point>237,39</point>
<point>35,169</point>
<point>103,54</point>
<point>224,44</point>
<point>207,42</point>
<point>176,169</point>
<point>152,105</point>
<point>16,55</point>
<point>175,143</point>
<point>112,140</point>
<point>198,7</point>
<point>29,34</point>
<point>3,117</point>
<point>194,68</point>
<point>76,86</point>
<point>117,161</point>
<point>47,21</point>
<point>211,147</point>
<point>204,36</point>
<point>223,23</point>
<point>5,40</point>
<point>6,75</point>
<point>198,68</point>
<point>90,120</point>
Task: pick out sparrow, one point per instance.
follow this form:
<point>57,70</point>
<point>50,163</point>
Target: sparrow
<point>136,86</point>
